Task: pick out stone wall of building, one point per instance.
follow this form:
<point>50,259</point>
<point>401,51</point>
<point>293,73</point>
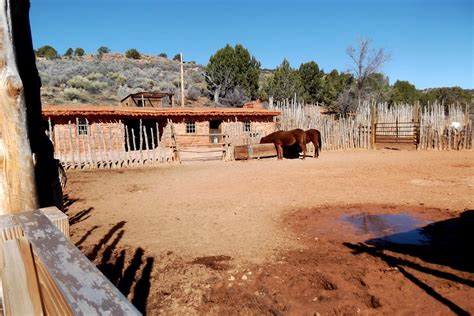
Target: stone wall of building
<point>73,140</point>
<point>113,140</point>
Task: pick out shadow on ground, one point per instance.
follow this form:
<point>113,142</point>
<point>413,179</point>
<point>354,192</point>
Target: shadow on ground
<point>449,244</point>
<point>128,269</point>
<point>77,217</point>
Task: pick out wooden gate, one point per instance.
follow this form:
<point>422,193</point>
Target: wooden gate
<point>197,147</point>
<point>397,133</point>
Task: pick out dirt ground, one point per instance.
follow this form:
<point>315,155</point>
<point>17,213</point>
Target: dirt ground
<point>275,237</point>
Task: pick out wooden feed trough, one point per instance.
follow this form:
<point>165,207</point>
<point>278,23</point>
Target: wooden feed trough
<point>254,151</point>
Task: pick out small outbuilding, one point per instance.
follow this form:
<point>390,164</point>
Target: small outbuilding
<point>88,130</point>
<point>149,99</point>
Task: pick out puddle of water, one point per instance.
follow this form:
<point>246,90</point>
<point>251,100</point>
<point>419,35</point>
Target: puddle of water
<point>394,228</point>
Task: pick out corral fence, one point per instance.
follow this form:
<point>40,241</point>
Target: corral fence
<point>432,127</point>
<point>107,145</point>
<point>113,144</point>
<point>445,128</point>
<point>350,132</point>
<point>117,145</point>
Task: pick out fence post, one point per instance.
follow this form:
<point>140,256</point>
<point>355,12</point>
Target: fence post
<point>141,140</point>
<point>134,146</point>
<point>373,125</point>
<point>153,148</point>
<point>175,141</point>
<point>89,144</point>
<point>146,145</point>
<point>71,147</point>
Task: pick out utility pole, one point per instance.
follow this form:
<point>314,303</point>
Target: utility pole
<point>182,80</point>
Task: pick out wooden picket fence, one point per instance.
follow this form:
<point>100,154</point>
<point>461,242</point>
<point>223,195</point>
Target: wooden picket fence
<point>108,146</point>
<point>336,133</point>
<point>111,145</point>
<point>115,145</point>
<point>445,131</point>
<point>433,127</point>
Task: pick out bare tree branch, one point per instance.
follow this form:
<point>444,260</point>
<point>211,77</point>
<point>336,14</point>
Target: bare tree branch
<point>366,63</point>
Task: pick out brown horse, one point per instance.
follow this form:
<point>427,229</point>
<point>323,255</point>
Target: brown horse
<point>314,136</point>
<point>286,138</point>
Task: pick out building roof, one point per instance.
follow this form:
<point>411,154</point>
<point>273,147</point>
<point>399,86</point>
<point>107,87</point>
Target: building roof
<point>148,95</point>
<point>89,111</point>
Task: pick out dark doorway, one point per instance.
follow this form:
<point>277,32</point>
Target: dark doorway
<point>140,133</point>
<point>215,128</point>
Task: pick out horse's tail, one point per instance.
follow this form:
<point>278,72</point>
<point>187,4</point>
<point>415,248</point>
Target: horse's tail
<point>320,142</point>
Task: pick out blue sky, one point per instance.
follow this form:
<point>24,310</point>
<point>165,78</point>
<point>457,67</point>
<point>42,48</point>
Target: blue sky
<point>430,41</point>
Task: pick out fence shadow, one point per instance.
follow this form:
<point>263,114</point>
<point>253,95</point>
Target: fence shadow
<point>68,201</point>
<point>80,216</point>
<point>85,236</point>
<point>128,269</point>
<point>449,244</point>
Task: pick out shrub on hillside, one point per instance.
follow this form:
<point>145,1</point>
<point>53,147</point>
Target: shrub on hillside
<point>74,94</point>
<point>144,83</point>
<point>133,54</point>
<point>86,84</point>
<point>236,97</point>
<point>118,78</point>
<point>166,87</point>
<point>193,93</point>
<point>196,77</point>
<point>95,76</point>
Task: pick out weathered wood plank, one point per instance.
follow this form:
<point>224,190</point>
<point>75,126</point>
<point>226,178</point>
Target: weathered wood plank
<point>53,301</point>
<point>11,229</point>
<point>86,290</point>
<point>58,218</point>
<point>19,280</point>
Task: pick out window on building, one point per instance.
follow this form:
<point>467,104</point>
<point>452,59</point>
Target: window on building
<point>190,127</point>
<point>247,126</point>
<point>82,126</point>
<point>140,103</point>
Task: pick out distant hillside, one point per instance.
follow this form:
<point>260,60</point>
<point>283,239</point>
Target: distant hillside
<point>106,80</point>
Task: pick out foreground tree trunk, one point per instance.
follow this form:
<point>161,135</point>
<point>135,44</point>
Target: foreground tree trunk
<point>24,185</point>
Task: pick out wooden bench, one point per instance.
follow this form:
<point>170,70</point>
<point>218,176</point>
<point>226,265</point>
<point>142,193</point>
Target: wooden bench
<point>43,273</point>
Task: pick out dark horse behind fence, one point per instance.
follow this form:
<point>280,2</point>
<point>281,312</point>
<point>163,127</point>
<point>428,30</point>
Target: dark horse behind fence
<point>314,136</point>
<point>286,138</point>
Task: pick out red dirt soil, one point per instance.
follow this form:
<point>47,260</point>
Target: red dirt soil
<point>268,236</point>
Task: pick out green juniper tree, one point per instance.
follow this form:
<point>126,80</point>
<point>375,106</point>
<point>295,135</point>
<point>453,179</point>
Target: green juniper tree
<point>133,54</point>
<point>232,73</point>
<point>79,52</point>
<point>47,52</point>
